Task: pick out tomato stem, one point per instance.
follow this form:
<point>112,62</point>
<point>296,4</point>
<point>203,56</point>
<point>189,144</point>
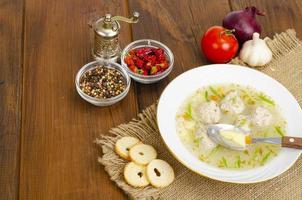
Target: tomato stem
<point>227,32</point>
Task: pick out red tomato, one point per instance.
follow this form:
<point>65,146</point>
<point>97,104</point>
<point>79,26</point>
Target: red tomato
<point>219,45</point>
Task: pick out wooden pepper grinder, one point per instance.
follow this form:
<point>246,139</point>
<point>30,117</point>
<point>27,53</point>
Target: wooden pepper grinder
<point>106,31</point>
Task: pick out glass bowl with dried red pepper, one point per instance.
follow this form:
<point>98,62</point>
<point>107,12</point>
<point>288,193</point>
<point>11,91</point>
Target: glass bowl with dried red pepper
<point>147,61</point>
<point>102,83</point>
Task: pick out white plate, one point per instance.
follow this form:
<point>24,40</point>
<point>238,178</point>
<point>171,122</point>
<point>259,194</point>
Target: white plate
<point>185,84</point>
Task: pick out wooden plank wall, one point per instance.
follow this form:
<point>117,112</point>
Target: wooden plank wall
<point>11,53</point>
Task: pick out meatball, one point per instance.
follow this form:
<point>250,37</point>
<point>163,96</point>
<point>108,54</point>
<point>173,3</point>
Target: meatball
<point>210,112</point>
<point>262,117</point>
<point>232,103</point>
<point>243,122</point>
<point>201,130</point>
<point>205,141</point>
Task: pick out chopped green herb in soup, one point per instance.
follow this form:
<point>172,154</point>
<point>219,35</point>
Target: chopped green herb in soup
<point>253,111</point>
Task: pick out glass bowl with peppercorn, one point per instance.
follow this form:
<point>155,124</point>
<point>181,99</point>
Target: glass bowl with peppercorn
<point>102,83</point>
<point>147,61</point>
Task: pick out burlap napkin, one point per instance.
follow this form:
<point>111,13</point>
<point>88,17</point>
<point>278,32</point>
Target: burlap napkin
<point>286,67</point>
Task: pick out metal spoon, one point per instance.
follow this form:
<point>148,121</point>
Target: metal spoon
<point>214,133</point>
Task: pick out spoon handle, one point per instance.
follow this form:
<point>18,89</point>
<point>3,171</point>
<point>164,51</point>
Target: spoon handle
<point>292,142</point>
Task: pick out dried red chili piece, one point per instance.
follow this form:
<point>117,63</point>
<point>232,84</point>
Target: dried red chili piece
<point>147,60</point>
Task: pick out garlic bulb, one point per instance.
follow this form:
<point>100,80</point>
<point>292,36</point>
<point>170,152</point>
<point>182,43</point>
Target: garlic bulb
<point>255,52</point>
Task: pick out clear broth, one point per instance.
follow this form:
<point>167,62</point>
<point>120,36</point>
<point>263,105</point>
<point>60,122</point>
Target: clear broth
<point>188,121</point>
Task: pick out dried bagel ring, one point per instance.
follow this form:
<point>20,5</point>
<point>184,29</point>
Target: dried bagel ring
<point>160,173</point>
<point>142,154</point>
<point>135,175</point>
<point>123,145</point>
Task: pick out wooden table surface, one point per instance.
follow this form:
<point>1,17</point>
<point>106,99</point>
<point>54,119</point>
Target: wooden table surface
<point>46,129</point>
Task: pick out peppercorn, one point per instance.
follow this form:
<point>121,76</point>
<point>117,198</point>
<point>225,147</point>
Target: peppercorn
<point>102,82</point>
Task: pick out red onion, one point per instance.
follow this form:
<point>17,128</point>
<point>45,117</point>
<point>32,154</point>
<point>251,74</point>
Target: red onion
<point>244,22</point>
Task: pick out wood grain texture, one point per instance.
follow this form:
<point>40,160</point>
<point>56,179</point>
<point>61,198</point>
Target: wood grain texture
<point>11,13</point>
<point>280,15</point>
<point>179,26</point>
<point>292,142</point>
<point>58,157</point>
